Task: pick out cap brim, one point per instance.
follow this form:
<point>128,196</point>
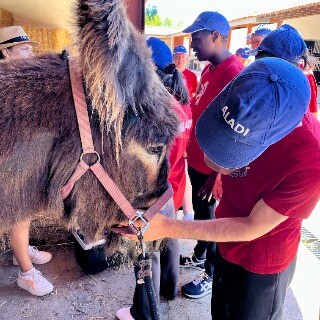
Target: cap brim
<point>217,144</point>
<point>7,45</point>
<point>193,28</point>
<point>253,52</point>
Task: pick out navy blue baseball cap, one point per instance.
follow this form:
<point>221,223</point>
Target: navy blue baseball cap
<point>285,43</point>
<point>180,49</point>
<point>262,105</point>
<point>209,20</point>
<point>161,53</point>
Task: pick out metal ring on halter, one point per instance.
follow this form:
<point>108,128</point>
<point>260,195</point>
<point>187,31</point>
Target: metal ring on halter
<point>139,216</point>
<point>94,152</point>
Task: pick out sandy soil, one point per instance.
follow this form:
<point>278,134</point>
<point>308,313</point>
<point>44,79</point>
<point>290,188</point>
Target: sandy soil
<point>97,297</point>
<point>84,297</point>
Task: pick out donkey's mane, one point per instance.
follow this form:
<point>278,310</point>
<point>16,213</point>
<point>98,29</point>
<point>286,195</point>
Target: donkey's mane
<point>126,76</point>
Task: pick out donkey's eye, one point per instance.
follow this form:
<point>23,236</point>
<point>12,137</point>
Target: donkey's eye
<point>156,150</point>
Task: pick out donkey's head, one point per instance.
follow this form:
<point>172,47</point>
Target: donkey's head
<point>135,113</point>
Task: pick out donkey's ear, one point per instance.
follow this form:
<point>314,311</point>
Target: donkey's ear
<point>116,63</point>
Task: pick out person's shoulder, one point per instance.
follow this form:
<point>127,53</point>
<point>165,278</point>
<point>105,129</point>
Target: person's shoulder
<point>305,139</point>
<point>235,63</point>
<point>232,67</point>
<point>311,126</point>
<point>189,72</point>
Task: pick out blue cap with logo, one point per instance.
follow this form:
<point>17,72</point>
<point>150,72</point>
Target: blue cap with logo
<point>180,49</point>
<point>285,43</point>
<point>161,53</point>
<point>209,20</point>
<point>261,31</point>
<point>244,52</point>
<point>241,123</point>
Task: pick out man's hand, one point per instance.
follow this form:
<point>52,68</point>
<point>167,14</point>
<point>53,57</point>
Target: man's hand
<point>217,188</point>
<point>158,228</point>
<point>206,191</point>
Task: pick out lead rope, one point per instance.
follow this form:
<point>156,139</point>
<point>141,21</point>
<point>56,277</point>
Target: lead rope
<point>144,287</point>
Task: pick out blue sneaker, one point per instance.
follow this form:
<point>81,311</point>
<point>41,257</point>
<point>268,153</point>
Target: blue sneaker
<point>199,287</point>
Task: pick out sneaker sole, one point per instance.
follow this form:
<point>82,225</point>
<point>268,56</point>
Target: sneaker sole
<point>22,285</point>
<point>197,296</point>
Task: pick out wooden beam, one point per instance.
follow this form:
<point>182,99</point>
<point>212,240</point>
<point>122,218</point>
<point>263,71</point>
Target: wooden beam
<point>135,11</point>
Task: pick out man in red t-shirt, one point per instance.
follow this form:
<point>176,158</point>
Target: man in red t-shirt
<point>268,152</point>
<point>180,59</point>
<point>209,42</point>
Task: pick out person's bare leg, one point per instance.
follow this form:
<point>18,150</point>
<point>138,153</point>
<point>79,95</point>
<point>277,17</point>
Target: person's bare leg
<point>19,238</point>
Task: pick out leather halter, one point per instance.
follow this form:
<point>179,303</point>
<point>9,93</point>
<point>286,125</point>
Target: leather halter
<point>98,170</point>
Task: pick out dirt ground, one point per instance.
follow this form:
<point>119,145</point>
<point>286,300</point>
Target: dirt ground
<point>97,297</point>
<point>85,297</point>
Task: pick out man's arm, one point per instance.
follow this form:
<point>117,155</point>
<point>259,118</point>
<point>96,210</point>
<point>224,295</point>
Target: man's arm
<point>261,220</point>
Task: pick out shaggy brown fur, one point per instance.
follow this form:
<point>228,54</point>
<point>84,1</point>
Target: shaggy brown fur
<point>131,117</point>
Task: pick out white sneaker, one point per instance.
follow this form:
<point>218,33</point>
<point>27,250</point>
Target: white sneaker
<point>188,216</point>
<point>34,282</point>
<point>36,256</point>
<point>124,314</point>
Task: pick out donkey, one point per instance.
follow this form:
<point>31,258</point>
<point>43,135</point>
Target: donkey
<point>131,118</point>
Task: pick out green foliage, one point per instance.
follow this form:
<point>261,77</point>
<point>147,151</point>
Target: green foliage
<point>152,17</point>
<point>168,22</point>
<point>180,24</point>
<point>151,11</point>
<point>153,21</point>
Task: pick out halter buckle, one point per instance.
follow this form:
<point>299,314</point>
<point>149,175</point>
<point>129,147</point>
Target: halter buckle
<point>140,230</point>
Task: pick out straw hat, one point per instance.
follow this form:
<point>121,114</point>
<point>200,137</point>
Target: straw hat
<point>11,36</point>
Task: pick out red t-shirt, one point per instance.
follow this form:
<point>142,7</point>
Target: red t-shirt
<point>313,104</point>
<point>177,176</point>
<point>287,177</point>
<point>212,81</point>
<point>191,81</point>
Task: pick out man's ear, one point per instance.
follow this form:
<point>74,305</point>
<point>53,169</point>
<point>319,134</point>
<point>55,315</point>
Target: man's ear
<point>6,53</point>
<point>214,36</point>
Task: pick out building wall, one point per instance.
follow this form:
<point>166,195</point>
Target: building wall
<point>307,26</point>
<point>6,18</point>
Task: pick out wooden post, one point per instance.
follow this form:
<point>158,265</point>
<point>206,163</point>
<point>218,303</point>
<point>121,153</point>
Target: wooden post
<point>135,10</point>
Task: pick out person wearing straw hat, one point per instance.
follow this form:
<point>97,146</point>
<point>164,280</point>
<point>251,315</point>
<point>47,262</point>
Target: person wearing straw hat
<point>15,44</point>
